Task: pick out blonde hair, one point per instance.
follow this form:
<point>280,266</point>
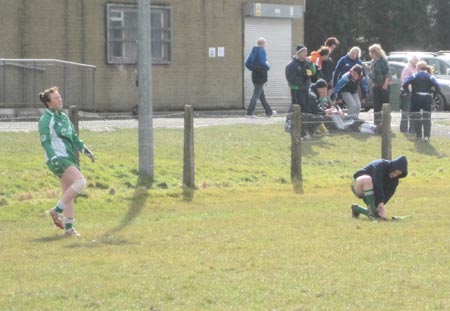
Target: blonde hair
<point>379,52</point>
<point>357,49</point>
<point>422,65</point>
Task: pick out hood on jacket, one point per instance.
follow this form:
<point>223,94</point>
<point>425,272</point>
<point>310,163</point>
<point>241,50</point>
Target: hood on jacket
<point>401,163</point>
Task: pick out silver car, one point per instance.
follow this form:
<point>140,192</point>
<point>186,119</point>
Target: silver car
<point>441,99</point>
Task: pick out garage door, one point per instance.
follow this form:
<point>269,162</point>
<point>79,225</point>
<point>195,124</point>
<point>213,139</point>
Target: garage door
<point>277,33</point>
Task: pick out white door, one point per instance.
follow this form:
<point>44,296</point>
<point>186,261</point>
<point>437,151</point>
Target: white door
<point>278,34</point>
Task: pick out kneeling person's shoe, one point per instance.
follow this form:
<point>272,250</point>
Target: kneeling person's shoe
<point>355,213</point>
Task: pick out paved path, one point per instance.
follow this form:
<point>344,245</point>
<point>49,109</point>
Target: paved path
<point>441,122</point>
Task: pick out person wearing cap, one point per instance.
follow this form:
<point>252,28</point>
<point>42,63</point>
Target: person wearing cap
<point>332,116</point>
<point>321,108</point>
<point>298,75</point>
<point>259,66</point>
<point>347,86</point>
<point>376,184</point>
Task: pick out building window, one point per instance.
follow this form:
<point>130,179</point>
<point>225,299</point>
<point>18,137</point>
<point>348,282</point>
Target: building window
<point>122,34</point>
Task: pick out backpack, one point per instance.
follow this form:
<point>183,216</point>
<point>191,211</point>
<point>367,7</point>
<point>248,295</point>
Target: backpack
<point>259,73</point>
<point>251,62</point>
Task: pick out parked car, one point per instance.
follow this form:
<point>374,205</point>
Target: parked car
<point>440,61</point>
<point>441,100</point>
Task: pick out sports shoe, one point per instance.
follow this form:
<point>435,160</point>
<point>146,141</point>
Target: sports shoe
<point>426,138</point>
<point>58,219</point>
<point>355,214</point>
<point>322,128</point>
<point>71,232</point>
<point>274,113</point>
<point>250,116</point>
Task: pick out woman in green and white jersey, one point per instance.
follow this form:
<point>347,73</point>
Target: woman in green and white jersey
<point>60,143</point>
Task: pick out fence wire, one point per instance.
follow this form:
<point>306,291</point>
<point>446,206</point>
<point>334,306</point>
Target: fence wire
<point>316,125</point>
<point>261,168</point>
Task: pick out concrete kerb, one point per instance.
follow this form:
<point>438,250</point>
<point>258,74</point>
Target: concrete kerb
<point>11,120</point>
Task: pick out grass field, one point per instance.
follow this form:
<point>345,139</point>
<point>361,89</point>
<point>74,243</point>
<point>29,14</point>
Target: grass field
<point>246,241</point>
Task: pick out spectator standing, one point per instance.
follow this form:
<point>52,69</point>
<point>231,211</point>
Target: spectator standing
<point>346,62</point>
<point>348,86</point>
<point>298,75</point>
<point>259,66</point>
<point>405,95</point>
<point>331,44</point>
<point>317,58</point>
<point>422,84</point>
<point>381,79</point>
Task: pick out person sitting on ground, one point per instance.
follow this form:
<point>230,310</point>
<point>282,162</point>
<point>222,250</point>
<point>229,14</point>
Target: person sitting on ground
<point>332,115</point>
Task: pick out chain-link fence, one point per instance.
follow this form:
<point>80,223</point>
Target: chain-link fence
<point>22,79</point>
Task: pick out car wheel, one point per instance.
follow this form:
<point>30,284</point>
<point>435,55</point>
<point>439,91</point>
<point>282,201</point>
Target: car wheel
<point>438,102</point>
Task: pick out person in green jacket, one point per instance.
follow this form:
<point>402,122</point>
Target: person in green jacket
<point>60,143</point>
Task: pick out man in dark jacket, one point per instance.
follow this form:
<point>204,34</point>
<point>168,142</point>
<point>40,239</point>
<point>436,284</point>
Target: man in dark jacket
<point>298,75</point>
<point>376,184</point>
<point>258,64</point>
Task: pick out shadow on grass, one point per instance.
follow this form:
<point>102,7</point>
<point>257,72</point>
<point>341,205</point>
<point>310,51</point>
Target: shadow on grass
<point>47,239</point>
<point>425,147</point>
<point>307,146</point>
<point>137,204</point>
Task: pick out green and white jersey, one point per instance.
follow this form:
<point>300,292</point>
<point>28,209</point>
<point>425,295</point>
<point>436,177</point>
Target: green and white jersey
<point>58,137</point>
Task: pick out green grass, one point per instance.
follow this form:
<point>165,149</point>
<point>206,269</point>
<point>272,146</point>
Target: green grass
<point>246,241</point>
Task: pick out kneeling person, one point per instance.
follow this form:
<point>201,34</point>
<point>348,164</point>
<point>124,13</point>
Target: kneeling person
<point>376,184</point>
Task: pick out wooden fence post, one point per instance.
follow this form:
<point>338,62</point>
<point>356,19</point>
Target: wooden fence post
<point>386,134</point>
<point>188,156</point>
<point>296,150</point>
<point>74,118</point>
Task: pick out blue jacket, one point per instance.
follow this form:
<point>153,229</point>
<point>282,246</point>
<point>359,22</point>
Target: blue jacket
<point>384,186</point>
<point>344,64</point>
<point>421,82</point>
<point>257,59</point>
<point>346,84</point>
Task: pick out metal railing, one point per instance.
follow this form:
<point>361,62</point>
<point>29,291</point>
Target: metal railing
<point>21,80</point>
